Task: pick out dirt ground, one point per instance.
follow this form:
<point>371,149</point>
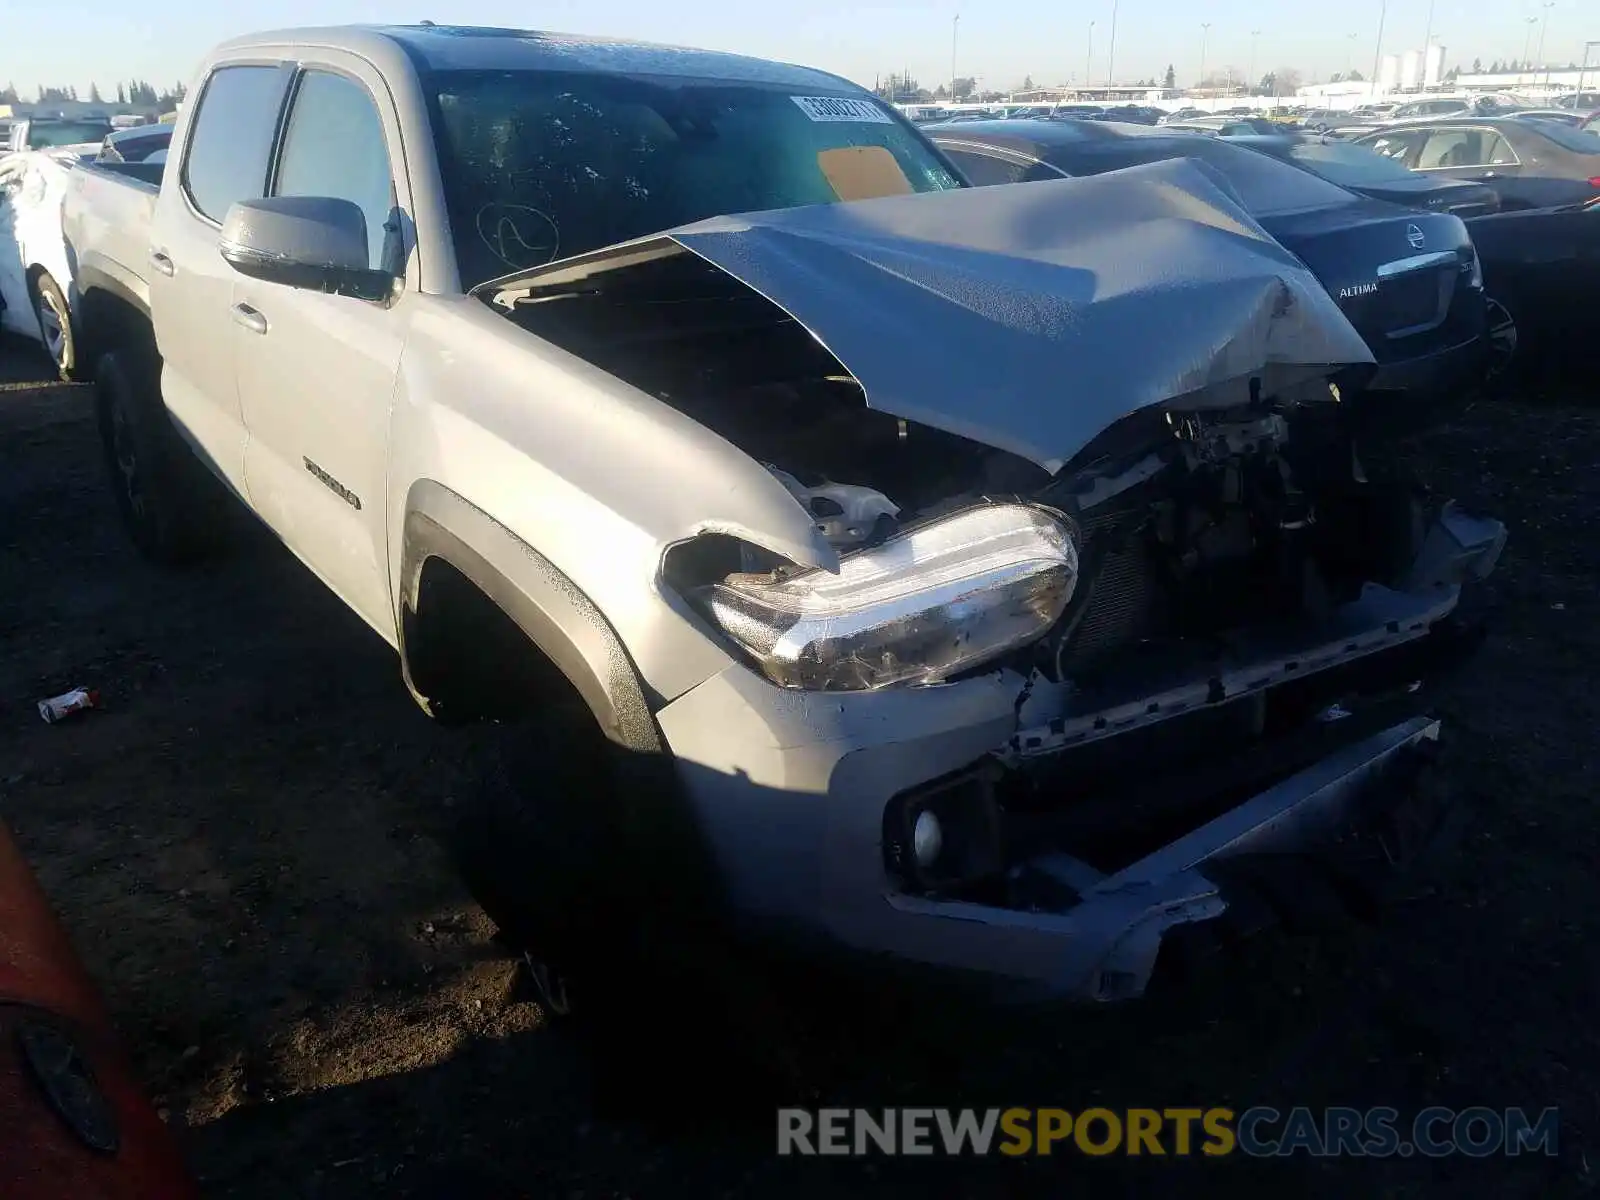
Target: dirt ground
<point>244,846</point>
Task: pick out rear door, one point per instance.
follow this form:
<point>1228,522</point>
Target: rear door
<point>225,160</point>
<point>317,372</point>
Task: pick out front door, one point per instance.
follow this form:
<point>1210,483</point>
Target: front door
<point>317,372</point>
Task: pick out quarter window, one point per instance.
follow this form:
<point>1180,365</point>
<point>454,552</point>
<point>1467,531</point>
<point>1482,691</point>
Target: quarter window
<point>230,143</point>
<point>335,147</point>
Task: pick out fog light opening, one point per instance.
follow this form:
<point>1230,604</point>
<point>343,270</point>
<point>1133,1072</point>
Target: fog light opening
<point>927,839</point>
<point>945,836</point>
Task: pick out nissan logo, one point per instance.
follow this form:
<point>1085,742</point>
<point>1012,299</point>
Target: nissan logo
<point>1414,236</point>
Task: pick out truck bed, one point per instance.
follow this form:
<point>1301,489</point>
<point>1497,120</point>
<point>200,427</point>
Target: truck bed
<point>106,219</point>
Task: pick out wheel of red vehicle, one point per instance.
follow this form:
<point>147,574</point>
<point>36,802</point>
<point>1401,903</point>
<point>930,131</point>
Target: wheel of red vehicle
<point>55,322</point>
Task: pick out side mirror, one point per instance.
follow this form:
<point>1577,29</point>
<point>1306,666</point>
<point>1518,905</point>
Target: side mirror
<point>313,242</point>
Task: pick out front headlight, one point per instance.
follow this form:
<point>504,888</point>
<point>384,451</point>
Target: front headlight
<point>929,602</point>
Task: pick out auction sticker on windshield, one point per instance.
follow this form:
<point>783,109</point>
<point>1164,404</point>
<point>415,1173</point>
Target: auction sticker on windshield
<point>841,108</point>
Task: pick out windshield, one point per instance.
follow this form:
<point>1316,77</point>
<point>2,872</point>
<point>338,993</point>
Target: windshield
<point>1349,166</point>
<point>42,135</point>
<point>542,165</point>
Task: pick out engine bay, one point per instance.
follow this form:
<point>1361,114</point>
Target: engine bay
<point>1194,522</point>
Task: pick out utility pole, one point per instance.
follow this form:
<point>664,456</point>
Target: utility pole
<point>955,29</point>
<point>1377,50</point>
<point>1544,27</point>
<point>1350,56</point>
<point>1088,66</point>
<point>1584,70</point>
<point>1111,52</point>
<point>1205,34</point>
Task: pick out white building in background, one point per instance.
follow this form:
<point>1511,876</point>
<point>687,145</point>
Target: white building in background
<point>1410,71</point>
<point>1388,73</point>
<point>1433,67</point>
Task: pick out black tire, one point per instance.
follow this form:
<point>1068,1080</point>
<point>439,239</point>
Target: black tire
<point>172,509</point>
<point>54,317</point>
<point>614,928</point>
<point>530,841</point>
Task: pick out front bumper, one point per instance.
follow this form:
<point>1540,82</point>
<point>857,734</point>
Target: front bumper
<point>790,790</point>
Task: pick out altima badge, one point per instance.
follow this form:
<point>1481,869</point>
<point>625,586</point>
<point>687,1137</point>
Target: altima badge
<point>1414,236</point>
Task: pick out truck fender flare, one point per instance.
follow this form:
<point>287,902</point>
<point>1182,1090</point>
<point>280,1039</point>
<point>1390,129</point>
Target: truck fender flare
<point>548,607</point>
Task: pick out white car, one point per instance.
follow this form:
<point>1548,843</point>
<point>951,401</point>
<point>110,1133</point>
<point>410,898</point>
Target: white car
<point>35,271</point>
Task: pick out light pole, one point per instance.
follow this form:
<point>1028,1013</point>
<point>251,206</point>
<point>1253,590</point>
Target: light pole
<point>1350,56</point>
<point>1250,80</point>
<point>1527,40</point>
<point>1205,34</point>
<point>1584,70</point>
<point>1088,63</point>
<point>955,29</point>
<point>1377,49</point>
<point>1544,27</point>
<point>1427,42</point>
<point>1111,50</point>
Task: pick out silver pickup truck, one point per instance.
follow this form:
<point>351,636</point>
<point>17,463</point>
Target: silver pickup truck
<point>982,579</point>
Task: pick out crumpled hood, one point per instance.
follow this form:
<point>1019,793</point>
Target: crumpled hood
<point>1029,317</point>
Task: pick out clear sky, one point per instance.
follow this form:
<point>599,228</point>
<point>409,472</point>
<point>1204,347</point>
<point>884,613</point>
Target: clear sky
<point>61,42</point>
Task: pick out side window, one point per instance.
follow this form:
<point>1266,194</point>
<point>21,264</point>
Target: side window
<point>1042,170</point>
<point>1498,151</point>
<point>335,147</point>
<point>1398,146</point>
<point>1465,148</point>
<point>984,170</point>
<point>230,142</point>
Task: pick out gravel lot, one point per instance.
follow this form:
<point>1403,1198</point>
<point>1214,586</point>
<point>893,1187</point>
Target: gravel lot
<point>244,847</point>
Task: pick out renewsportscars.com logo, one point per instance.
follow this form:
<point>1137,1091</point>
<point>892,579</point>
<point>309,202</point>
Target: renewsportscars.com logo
<point>1258,1132</point>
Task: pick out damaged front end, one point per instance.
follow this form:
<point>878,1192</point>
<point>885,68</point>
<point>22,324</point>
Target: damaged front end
<point>1086,439</point>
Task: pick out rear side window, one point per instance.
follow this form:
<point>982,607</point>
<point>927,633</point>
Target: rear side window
<point>231,140</point>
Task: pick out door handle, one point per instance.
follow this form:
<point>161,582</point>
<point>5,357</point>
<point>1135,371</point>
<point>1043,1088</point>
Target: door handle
<point>250,318</point>
<point>162,261</point>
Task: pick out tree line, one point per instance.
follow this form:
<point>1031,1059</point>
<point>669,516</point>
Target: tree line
<point>138,92</point>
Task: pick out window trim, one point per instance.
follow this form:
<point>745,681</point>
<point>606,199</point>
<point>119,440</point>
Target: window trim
<point>184,190</point>
<point>1516,159</point>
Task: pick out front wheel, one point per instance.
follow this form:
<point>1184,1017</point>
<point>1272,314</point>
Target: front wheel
<point>55,323</point>
<point>168,504</point>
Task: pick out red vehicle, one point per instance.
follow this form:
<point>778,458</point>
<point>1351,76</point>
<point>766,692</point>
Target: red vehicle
<point>73,1120</point>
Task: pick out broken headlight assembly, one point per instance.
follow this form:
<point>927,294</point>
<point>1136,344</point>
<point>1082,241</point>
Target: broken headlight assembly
<point>925,604</point>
